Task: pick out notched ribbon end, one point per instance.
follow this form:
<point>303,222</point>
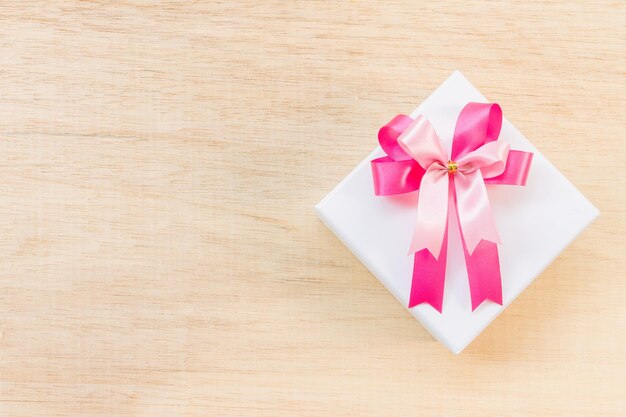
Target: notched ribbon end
<point>417,248</point>
<point>422,300</point>
<point>471,247</point>
<point>496,299</point>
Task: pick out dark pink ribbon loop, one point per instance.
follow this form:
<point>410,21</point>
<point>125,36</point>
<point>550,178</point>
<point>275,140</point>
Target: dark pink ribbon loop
<point>516,169</point>
<point>395,177</point>
<point>416,160</point>
<point>396,173</point>
<point>478,123</point>
<point>388,137</point>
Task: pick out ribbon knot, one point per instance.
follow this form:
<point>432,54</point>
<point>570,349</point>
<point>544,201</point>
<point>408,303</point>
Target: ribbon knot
<point>416,159</point>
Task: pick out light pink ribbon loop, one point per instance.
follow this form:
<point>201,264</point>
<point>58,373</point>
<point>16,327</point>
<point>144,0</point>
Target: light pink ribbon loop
<point>417,159</point>
<point>420,142</point>
<point>490,159</point>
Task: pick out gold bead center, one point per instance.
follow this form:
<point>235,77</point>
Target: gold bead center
<point>452,167</point>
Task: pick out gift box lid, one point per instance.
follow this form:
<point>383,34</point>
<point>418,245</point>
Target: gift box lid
<point>535,223</point>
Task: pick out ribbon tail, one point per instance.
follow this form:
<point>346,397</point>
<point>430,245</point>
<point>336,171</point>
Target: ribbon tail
<point>473,210</point>
<point>432,211</point>
<point>482,264</point>
<point>429,272</point>
<point>483,272</point>
<point>429,276</point>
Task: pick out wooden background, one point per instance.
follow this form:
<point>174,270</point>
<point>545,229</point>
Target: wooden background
<point>160,255</point>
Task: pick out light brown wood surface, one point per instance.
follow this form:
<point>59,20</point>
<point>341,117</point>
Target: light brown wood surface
<point>160,254</point>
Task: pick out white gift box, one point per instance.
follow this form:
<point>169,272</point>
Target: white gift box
<point>535,224</point>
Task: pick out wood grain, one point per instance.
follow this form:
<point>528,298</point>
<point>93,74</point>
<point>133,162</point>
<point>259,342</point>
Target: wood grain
<point>160,164</point>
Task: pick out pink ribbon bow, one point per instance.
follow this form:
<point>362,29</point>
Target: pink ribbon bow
<point>416,159</point>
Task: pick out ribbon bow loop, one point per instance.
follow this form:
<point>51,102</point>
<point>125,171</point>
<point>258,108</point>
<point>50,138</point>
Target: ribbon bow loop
<point>416,159</point>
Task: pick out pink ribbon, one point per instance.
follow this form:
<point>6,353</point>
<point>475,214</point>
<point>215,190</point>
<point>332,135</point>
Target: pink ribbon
<point>417,160</point>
